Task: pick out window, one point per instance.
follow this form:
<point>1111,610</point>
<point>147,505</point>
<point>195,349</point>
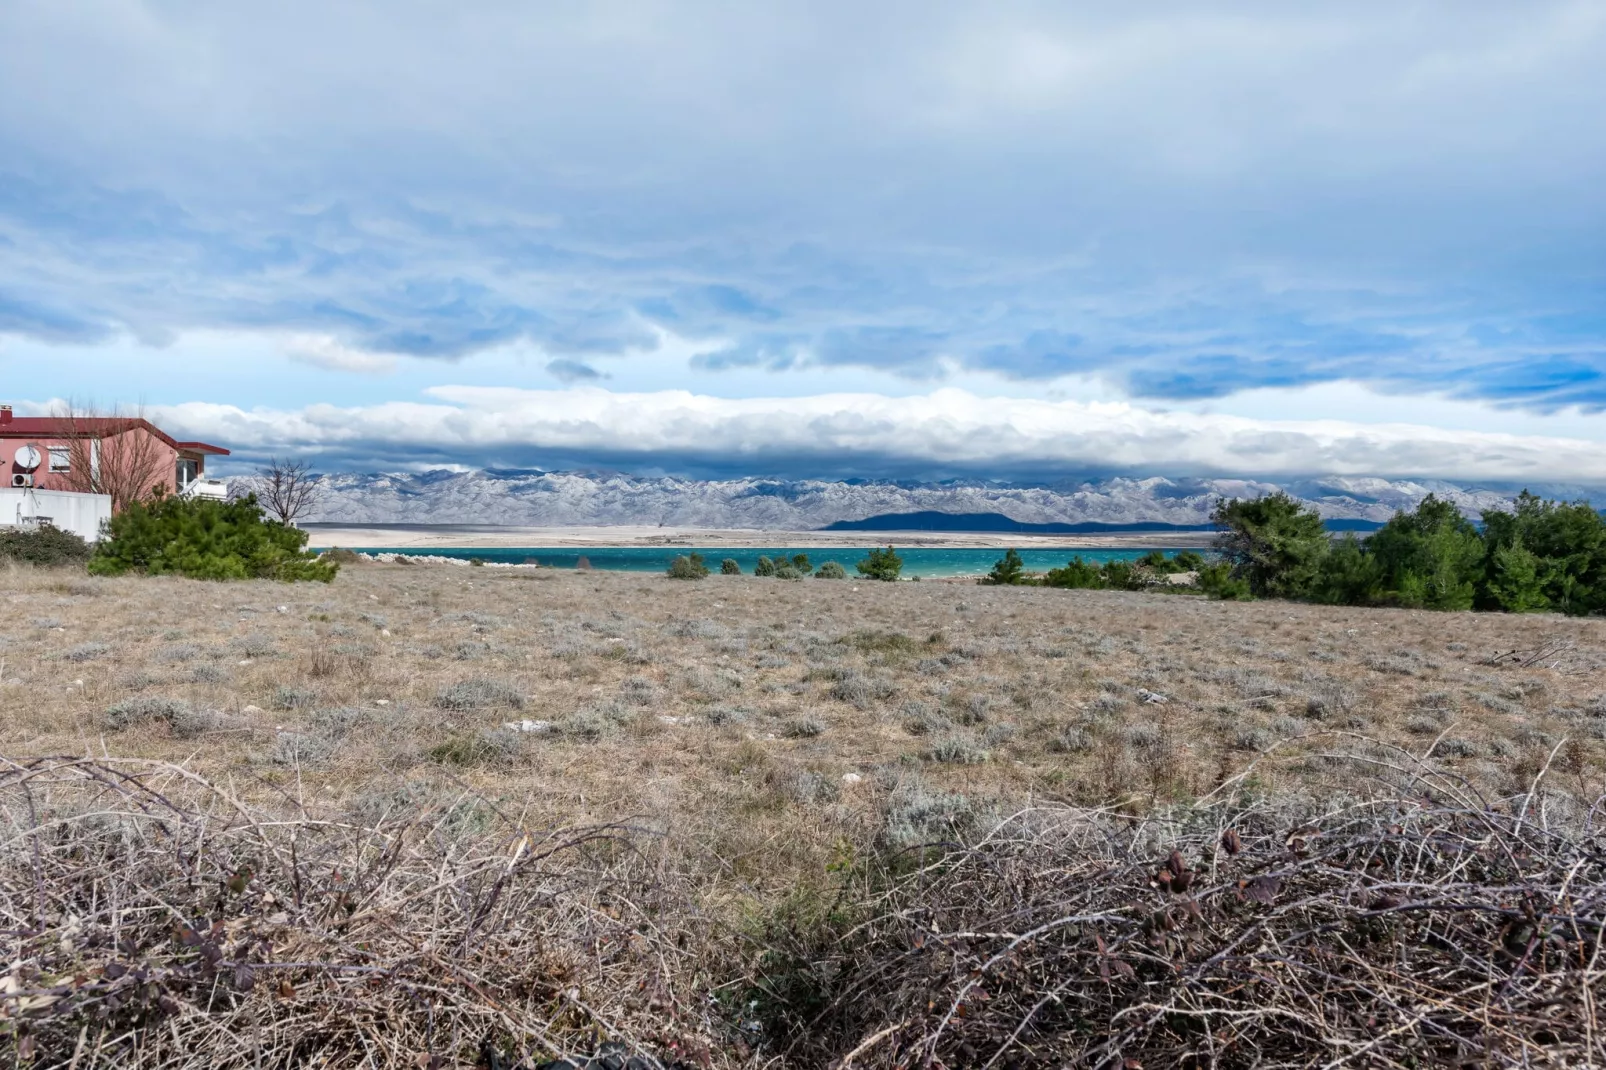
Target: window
<point>188,472</point>
<point>60,459</point>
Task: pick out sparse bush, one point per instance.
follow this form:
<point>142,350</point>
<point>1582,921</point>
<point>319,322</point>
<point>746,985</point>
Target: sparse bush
<point>86,652</point>
<point>480,693</point>
<point>1252,738</point>
<point>765,567</point>
<point>44,546</point>
<point>800,564</point>
<point>955,749</point>
<point>919,815</point>
<point>1455,747</point>
<point>804,728</point>
<point>730,567</point>
<point>294,698</point>
<point>687,567</point>
<point>830,571</point>
<point>786,572</point>
<point>1071,740</point>
<point>253,644</point>
<point>480,748</point>
<point>182,720</point>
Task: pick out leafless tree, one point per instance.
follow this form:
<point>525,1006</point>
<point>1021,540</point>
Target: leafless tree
<point>287,490</point>
<point>112,452</point>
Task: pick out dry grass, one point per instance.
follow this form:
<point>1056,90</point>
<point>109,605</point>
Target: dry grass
<point>716,782</point>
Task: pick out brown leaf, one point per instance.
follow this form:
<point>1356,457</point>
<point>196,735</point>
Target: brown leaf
<point>1263,889</point>
<point>1232,842</point>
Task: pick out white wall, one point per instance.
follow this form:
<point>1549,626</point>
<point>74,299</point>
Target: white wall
<point>81,514</point>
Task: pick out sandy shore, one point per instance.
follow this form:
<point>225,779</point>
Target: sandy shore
<point>425,536</point>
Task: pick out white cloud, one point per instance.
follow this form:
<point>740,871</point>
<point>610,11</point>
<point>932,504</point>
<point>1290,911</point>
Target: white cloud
<point>324,351</point>
<point>947,430</point>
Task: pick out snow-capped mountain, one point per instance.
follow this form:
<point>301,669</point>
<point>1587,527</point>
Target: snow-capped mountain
<point>574,499</point>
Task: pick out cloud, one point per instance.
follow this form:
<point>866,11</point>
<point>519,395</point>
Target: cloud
<point>322,351</point>
<point>1187,199</point>
<point>946,432</point>
<point>573,371</point>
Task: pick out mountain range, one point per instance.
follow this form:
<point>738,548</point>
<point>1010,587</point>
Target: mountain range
<point>529,498</point>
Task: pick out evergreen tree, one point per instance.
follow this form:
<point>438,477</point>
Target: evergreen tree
<point>1569,541</point>
<point>881,565</point>
<point>1517,578</point>
<point>1428,558</point>
<point>1348,575</point>
<point>1007,570</point>
<point>1273,543</point>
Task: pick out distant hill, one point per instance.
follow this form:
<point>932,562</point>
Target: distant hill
<point>576,499</point>
<point>929,520</point>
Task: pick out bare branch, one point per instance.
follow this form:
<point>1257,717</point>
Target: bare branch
<point>287,490</point>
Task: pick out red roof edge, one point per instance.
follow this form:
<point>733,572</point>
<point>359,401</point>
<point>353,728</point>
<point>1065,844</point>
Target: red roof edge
<point>201,447</point>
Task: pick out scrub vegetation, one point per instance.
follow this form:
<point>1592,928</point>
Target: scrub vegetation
<point>438,816</point>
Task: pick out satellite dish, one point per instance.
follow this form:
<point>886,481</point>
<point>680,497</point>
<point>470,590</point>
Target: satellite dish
<point>29,458</point>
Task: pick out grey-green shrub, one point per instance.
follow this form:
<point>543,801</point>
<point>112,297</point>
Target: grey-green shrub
<point>479,693</point>
<point>830,571</point>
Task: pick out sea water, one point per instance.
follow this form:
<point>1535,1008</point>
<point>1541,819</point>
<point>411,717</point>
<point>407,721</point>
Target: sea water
<point>917,561</point>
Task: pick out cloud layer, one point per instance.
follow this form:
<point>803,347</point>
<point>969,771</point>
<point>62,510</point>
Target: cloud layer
<point>1186,199</point>
<point>945,433</point>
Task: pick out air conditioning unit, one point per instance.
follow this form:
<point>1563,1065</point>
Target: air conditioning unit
<point>22,479</point>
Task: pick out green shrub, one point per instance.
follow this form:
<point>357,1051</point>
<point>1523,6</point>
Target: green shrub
<point>339,555</point>
<point>206,540</point>
<point>765,567</point>
<point>729,567</point>
<point>1123,576</point>
<point>1076,574</point>
<point>800,562</point>
<point>787,572</point>
<point>881,564</point>
<point>45,545</point>
<point>830,571</point>
<point>1217,581</point>
<point>687,567</point>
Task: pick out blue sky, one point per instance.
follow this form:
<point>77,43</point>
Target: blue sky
<point>389,235</point>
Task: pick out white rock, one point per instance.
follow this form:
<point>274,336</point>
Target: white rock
<point>243,661</point>
<point>851,778</point>
<point>385,632</point>
<point>527,726</point>
<point>78,683</point>
<point>284,609</point>
<point>381,702</point>
<point>251,709</point>
<point>666,719</point>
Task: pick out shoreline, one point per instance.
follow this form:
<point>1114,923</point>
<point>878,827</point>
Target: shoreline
<point>469,537</point>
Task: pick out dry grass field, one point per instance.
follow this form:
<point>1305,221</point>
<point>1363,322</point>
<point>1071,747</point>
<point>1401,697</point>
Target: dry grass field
<point>714,783</point>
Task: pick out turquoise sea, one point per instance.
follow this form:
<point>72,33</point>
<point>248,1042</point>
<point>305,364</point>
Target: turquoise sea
<point>917,561</point>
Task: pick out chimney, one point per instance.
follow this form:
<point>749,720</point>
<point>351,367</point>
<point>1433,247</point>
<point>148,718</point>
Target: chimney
<point>5,414</point>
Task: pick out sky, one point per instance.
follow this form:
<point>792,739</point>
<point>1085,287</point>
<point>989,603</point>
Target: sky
<point>912,240</point>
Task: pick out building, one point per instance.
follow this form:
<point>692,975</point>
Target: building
<point>124,457</point>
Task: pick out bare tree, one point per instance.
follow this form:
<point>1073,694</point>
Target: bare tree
<point>287,490</point>
<point>112,452</point>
